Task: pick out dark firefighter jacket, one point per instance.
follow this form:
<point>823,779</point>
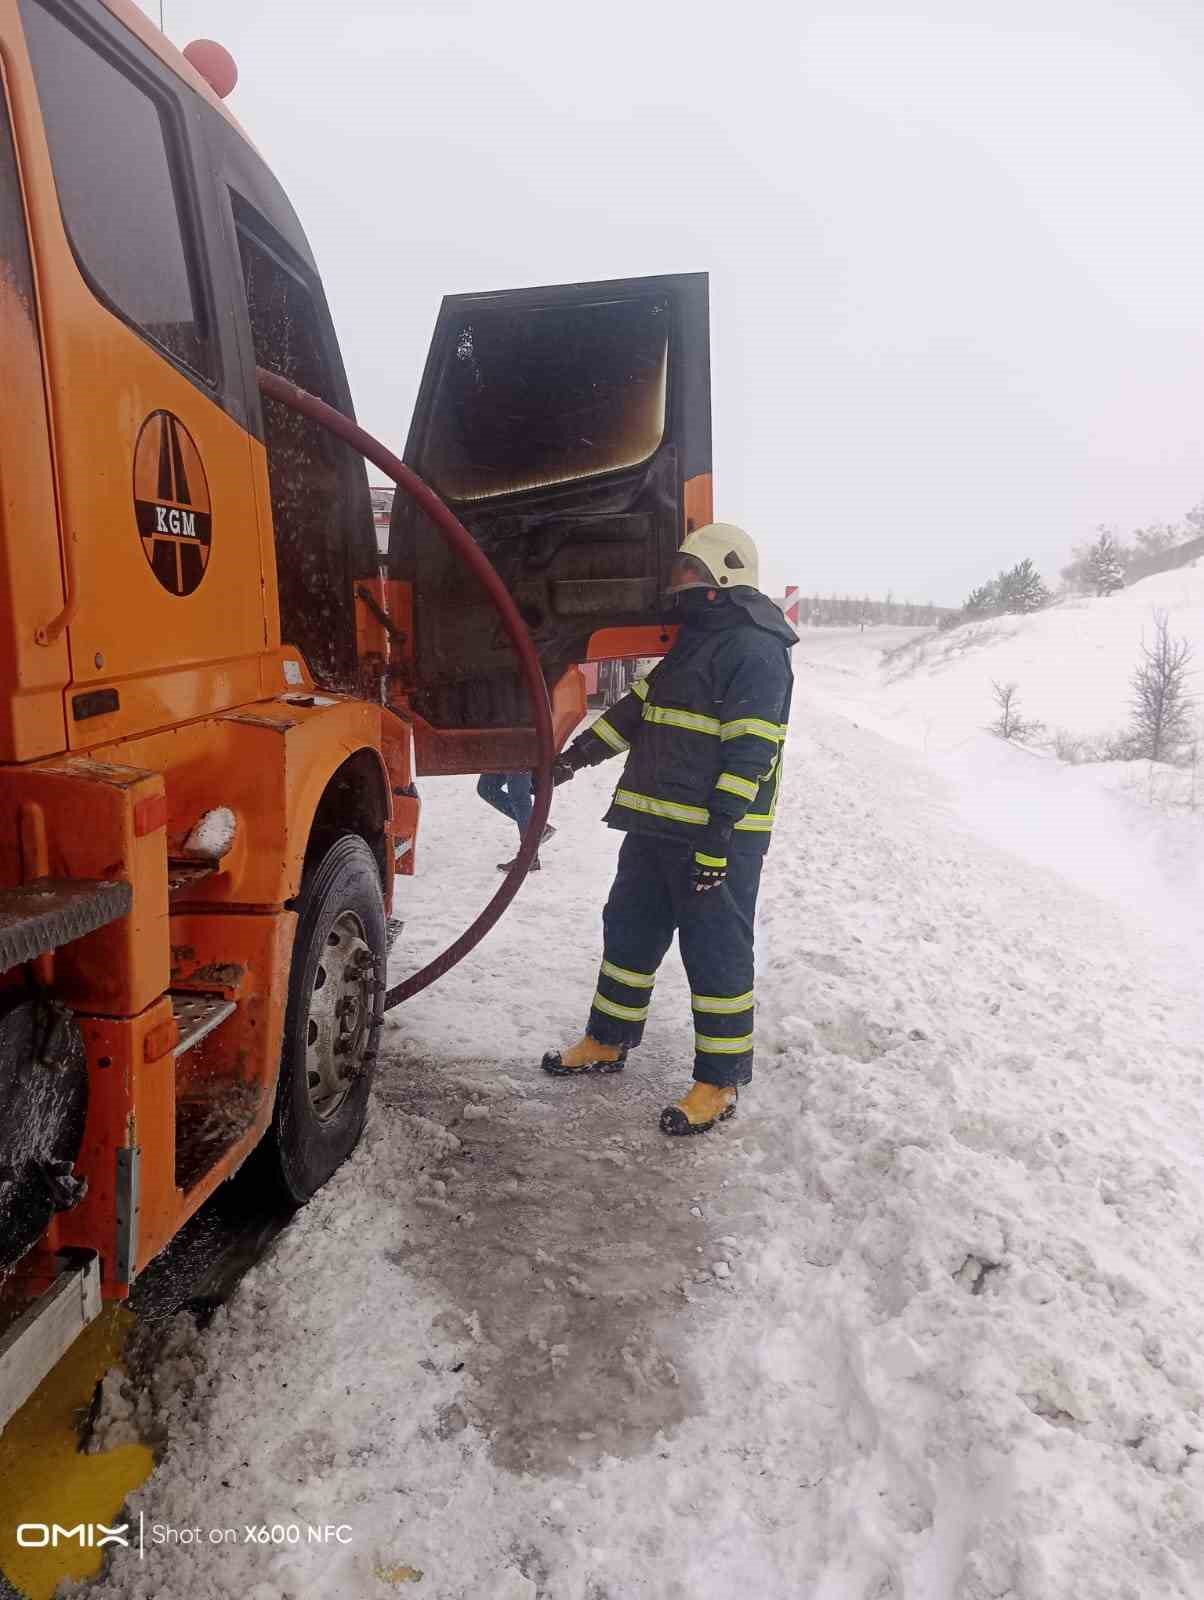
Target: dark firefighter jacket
<point>704,731</point>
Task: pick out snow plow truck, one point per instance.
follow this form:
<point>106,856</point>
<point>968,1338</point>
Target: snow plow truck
<point>213,703</point>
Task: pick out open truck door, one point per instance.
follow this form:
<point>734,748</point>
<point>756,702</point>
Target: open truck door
<point>569,428</point>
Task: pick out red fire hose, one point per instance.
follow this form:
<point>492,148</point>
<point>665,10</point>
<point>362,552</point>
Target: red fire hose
<point>470,553</point>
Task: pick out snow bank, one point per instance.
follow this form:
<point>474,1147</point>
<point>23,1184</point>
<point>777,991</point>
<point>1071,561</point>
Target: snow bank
<point>994,1122</point>
<point>1129,830</point>
<point>1073,663</point>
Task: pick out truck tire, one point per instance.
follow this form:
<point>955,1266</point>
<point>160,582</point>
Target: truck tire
<point>332,1024</point>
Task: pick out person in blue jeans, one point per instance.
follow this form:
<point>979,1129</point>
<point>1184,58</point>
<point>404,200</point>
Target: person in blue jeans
<point>511,794</point>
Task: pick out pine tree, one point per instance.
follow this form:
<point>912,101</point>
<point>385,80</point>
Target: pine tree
<point>1105,570</point>
<point>1005,589</point>
<point>983,599</point>
<point>1022,589</point>
<point>1077,573</point>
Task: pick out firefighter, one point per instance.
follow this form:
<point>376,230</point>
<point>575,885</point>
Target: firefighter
<point>703,736</point>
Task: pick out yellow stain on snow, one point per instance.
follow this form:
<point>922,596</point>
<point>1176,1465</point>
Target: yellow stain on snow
<point>399,1575</point>
<point>43,1476</point>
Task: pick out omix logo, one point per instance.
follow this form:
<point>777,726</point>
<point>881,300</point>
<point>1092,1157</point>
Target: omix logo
<point>91,1535</point>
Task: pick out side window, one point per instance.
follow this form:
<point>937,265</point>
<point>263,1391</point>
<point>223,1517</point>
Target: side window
<point>16,274</point>
<point>115,152</point>
<point>318,485</point>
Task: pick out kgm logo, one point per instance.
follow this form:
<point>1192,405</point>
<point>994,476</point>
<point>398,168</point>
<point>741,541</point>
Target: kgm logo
<point>90,1535</point>
<point>171,503</point>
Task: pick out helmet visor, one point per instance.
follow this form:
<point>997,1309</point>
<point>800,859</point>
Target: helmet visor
<point>687,572</point>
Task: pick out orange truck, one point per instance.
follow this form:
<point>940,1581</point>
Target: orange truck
<point>213,706</point>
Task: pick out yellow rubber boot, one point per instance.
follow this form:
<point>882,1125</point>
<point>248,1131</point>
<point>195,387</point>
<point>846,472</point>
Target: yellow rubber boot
<point>587,1055</point>
<point>704,1106</point>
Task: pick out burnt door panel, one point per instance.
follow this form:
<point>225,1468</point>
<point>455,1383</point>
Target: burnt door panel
<point>563,426</point>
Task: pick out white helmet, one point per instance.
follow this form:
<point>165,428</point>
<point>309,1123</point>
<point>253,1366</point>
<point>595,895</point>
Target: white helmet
<point>727,555</point>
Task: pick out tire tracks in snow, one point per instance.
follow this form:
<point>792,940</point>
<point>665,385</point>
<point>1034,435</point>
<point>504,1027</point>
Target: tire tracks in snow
<point>565,1247</point>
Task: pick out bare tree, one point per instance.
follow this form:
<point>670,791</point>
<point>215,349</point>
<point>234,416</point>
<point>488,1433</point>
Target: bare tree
<point>1009,724</point>
<point>1161,704</point>
<point>1157,537</point>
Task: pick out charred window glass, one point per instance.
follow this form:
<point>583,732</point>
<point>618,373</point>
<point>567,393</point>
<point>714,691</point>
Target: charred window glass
<point>534,397</point>
<point>115,156</point>
<point>317,483</point>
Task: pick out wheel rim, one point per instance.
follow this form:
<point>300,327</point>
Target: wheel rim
<point>340,1017</point>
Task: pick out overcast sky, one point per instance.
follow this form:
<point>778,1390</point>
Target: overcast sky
<point>956,250</point>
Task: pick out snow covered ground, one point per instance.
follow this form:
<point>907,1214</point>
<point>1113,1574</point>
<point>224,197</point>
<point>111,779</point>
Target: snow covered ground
<point>925,1322</point>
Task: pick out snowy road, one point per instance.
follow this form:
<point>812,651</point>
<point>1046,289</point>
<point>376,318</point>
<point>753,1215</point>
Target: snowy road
<point>924,1323</point>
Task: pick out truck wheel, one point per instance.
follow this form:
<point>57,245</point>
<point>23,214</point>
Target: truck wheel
<point>335,1006</point>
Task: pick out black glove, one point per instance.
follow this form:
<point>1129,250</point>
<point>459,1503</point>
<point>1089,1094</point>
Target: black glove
<point>567,763</point>
<point>710,855</point>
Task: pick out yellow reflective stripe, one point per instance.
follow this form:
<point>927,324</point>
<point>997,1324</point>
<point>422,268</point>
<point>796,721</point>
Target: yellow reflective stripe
<point>720,1005</point>
<point>762,821</point>
<point>732,783</point>
<point>709,861</point>
<point>706,1045</point>
<point>773,731</point>
<point>661,808</point>
<point>624,1013</point>
<point>640,689</point>
<point>777,783</point>
<point>670,717</point>
<point>633,980</point>
<point>611,735</point>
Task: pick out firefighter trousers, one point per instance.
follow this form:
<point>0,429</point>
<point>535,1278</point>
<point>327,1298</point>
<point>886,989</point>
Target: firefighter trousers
<point>653,896</point>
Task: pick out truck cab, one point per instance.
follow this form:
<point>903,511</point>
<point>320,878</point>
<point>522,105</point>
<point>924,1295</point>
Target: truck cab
<point>216,691</point>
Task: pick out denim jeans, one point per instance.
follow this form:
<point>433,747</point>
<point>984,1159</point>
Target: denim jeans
<point>509,793</point>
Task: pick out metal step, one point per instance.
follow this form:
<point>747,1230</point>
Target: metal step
<point>38,917</point>
<point>197,1015</point>
<point>32,1344</point>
